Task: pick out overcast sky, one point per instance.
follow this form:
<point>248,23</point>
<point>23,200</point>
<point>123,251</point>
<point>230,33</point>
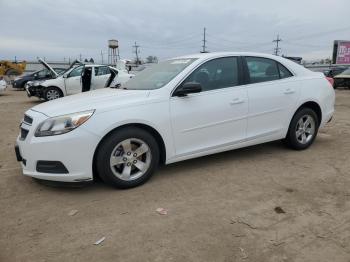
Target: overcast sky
<point>65,28</point>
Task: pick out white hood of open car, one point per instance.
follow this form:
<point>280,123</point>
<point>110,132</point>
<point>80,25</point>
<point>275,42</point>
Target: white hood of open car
<point>100,100</point>
<point>46,65</point>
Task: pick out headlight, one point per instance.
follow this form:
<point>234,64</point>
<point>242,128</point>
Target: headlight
<point>36,83</point>
<point>62,124</point>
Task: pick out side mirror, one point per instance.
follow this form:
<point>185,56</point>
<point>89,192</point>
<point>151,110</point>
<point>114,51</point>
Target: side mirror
<point>188,88</point>
<point>36,76</point>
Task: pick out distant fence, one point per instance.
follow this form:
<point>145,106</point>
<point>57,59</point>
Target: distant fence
<point>35,66</point>
<point>321,67</point>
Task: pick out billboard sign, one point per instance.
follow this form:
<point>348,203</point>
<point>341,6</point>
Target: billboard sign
<point>343,53</point>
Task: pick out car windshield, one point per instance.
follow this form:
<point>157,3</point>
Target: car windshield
<point>60,71</point>
<point>158,75</point>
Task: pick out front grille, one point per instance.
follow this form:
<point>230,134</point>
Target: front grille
<point>24,133</point>
<point>28,119</point>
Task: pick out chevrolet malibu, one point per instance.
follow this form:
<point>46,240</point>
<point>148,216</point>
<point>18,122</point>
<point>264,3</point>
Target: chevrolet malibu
<point>178,109</point>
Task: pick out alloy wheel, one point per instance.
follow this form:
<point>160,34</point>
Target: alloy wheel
<point>52,94</point>
<point>130,159</point>
<point>305,129</point>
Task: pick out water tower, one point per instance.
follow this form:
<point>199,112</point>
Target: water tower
<point>113,52</point>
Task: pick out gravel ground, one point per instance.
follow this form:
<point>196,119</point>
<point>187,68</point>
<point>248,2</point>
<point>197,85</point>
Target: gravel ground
<point>263,203</point>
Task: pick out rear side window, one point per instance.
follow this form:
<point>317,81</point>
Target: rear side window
<point>215,74</point>
<point>264,69</point>
<point>102,70</point>
<point>284,72</point>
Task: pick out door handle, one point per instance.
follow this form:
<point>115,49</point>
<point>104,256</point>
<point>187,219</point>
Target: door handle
<point>289,91</point>
<point>236,101</point>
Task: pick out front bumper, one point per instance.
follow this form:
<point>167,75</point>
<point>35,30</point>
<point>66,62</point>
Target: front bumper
<point>74,150</point>
<point>16,84</point>
<point>37,91</point>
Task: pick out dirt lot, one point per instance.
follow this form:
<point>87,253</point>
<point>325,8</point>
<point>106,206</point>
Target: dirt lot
<point>220,207</point>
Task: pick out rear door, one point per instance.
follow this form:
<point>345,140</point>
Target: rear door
<point>73,81</point>
<point>273,94</point>
<point>100,77</point>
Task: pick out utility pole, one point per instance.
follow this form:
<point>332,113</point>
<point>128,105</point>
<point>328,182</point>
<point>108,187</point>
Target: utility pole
<point>204,46</point>
<point>136,52</point>
<point>277,48</point>
<point>80,57</point>
<point>101,57</point>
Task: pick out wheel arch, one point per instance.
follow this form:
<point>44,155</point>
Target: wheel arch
<point>148,128</point>
<point>312,105</point>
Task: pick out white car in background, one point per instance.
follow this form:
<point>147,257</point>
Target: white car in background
<point>3,84</point>
<point>77,79</point>
<point>178,109</point>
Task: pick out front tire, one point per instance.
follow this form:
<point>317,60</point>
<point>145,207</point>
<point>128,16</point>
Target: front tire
<point>127,157</point>
<point>303,129</point>
<point>52,93</point>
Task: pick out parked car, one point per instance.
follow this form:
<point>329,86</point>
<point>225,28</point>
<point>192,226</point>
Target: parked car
<point>46,73</point>
<point>343,79</point>
<point>3,84</point>
<point>332,72</point>
<point>78,79</point>
<point>178,109</point>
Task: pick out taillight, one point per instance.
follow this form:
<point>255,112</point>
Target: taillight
<point>330,80</point>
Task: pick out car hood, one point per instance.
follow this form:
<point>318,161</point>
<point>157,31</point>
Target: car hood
<point>101,100</point>
<point>46,65</point>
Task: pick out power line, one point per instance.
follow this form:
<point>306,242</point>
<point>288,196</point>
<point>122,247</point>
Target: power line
<point>321,33</point>
<point>277,48</point>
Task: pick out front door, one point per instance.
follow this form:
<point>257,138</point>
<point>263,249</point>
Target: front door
<point>73,81</point>
<point>215,117</point>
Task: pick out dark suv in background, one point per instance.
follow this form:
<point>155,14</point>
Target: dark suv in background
<point>43,74</point>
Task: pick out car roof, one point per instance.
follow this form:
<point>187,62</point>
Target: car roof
<point>294,67</point>
<point>93,65</point>
<point>216,54</point>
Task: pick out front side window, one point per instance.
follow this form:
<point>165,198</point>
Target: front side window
<point>76,71</point>
<point>215,74</point>
<point>262,69</point>
<point>158,75</point>
<point>102,70</point>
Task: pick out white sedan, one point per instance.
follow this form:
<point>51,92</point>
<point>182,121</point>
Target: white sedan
<point>3,84</point>
<point>178,109</point>
<point>77,79</point>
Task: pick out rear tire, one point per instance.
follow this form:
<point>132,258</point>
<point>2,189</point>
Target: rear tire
<point>127,157</point>
<point>302,129</point>
<point>52,93</point>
